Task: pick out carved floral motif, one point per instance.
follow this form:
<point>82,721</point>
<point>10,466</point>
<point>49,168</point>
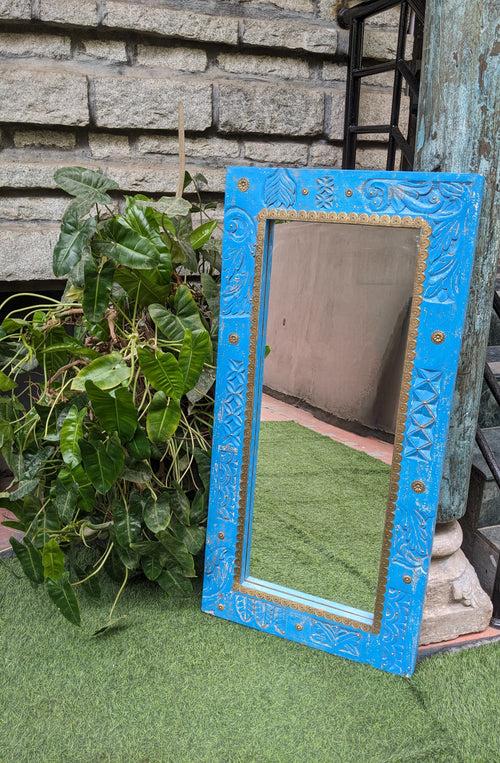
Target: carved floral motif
<point>343,640</point>
<point>446,202</point>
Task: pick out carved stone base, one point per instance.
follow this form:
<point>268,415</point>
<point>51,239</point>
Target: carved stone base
<point>455,602</point>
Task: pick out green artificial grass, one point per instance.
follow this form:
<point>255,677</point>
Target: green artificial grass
<point>178,686</point>
<point>318,515</point>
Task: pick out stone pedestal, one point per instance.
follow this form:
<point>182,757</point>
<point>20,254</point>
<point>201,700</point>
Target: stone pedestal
<point>455,603</point>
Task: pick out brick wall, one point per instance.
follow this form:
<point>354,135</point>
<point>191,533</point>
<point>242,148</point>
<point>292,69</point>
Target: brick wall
<point>97,83</point>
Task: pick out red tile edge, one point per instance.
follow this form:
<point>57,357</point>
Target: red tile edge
<point>467,641</point>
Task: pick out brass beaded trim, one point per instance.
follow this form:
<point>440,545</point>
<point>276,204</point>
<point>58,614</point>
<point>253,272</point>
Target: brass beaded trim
<point>422,253</point>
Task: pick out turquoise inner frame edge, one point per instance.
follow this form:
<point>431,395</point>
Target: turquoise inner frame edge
<point>450,205</point>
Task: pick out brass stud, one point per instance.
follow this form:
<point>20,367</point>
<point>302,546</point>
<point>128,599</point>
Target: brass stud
<point>243,184</point>
<point>233,339</point>
<point>418,486</point>
<point>220,606</point>
<point>221,535</point>
<point>299,627</point>
<point>438,337</point>
<point>305,192</point>
<point>348,192</point>
<point>406,578</point>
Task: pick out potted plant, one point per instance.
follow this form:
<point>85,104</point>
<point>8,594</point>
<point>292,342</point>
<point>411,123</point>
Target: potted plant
<point>106,404</point>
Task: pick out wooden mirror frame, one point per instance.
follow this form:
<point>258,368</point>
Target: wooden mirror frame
<point>445,210</point>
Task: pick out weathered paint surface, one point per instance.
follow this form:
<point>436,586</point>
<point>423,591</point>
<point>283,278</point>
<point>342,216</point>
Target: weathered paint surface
<point>450,204</point>
<point>458,129</point>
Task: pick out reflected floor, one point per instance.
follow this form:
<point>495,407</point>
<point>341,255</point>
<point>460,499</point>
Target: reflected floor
<point>318,516</point>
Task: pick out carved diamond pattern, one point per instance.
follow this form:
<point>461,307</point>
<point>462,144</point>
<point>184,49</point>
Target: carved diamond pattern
<point>325,196</point>
<point>422,416</point>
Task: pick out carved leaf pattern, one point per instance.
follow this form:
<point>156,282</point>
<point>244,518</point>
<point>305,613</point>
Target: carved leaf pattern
<point>280,189</point>
<point>265,615</point>
<point>342,639</point>
<point>422,415</point>
<point>218,568</point>
<point>397,608</point>
<point>445,201</point>
<point>325,196</point>
<point>410,548</point>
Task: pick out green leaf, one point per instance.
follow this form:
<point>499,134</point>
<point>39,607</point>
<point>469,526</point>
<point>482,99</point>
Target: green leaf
<point>128,557</point>
<point>152,567</point>
<point>211,292</point>
<point>127,247</point>
<point>96,289</point>
<point>115,410</point>
<point>171,206</point>
<point>52,560</point>
<point>106,372</point>
<point>174,582</point>
<point>104,462</point>
<point>177,550</point>
<point>163,418</point>
<point>187,309</point>
<point>143,286</point>
<point>157,513</point>
<point>86,184</point>
<point>30,559</point>
<point>25,487</point>
<point>63,596</point>
<point>198,511</point>
<point>70,435</point>
<point>6,384</point>
<point>194,538</point>
<point>73,242</point>
<point>65,500</point>
<point>162,371</point>
<point>200,235</point>
<point>127,520</point>
<point>169,324</point>
<point>196,349</point>
<point>202,386</point>
<point>139,446</point>
<point>203,460</point>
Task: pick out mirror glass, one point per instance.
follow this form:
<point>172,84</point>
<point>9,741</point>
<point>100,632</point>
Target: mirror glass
<point>339,300</point>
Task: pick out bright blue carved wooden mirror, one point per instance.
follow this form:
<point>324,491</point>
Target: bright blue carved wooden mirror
<point>343,299</point>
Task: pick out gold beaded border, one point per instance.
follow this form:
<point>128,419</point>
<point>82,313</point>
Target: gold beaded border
<point>390,221</point>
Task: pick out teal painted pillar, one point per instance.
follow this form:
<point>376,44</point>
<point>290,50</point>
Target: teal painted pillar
<point>457,131</point>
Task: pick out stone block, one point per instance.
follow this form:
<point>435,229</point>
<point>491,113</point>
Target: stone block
<point>328,9</point>
<point>26,251</point>
<point>295,6</point>
<point>314,38</point>
<point>44,139</point>
<point>146,176</point>
<point>75,12</point>
<point>335,72</point>
<point>187,25</point>
<point>272,110</point>
<point>276,153</point>
<point>264,66</point>
<point>110,51</point>
<point>105,145</point>
<point>198,148</point>
<point>31,208</point>
<point>43,96</point>
<point>15,9</point>
<point>151,103</point>
<point>371,158</point>
<point>380,43</point>
<point>325,155</point>
<point>187,59</point>
<point>41,45</point>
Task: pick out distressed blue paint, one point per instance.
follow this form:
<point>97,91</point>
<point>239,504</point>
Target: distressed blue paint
<point>450,204</point>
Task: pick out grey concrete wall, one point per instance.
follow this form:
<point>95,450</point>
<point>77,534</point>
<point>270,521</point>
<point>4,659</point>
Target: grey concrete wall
<point>97,83</point>
<point>338,317</point>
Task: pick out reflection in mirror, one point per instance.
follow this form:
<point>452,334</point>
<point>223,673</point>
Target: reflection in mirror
<point>339,307</point>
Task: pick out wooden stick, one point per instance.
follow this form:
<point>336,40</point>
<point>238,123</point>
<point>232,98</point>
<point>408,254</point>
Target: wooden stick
<point>182,152</point>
